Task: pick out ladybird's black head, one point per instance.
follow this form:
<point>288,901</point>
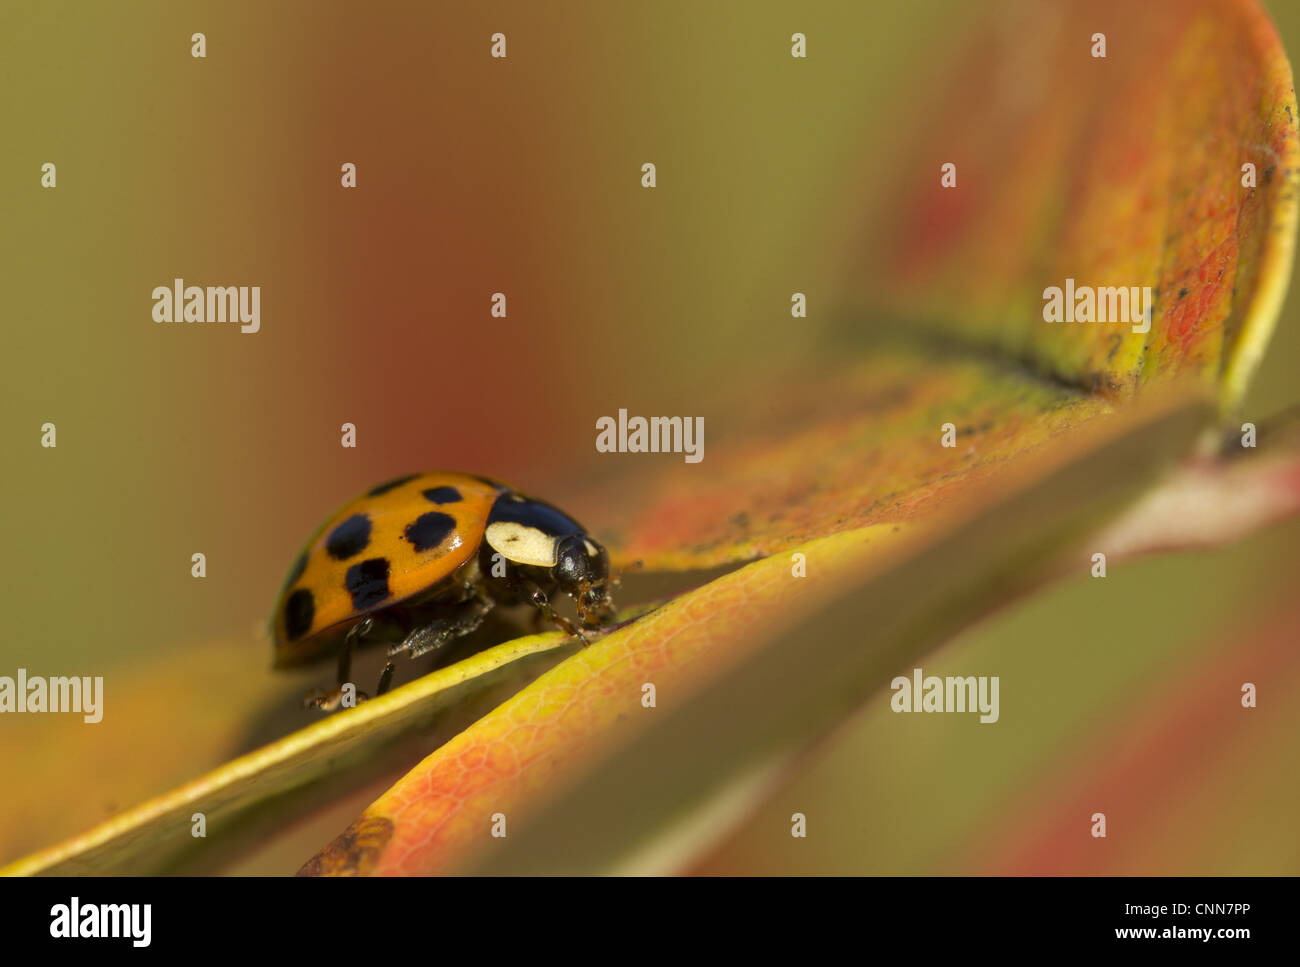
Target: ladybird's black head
<point>582,571</point>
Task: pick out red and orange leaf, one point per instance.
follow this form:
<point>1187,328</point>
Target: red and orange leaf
<point>861,447</point>
<point>1114,172</point>
<point>1118,171</point>
<point>540,742</point>
<point>1123,171</point>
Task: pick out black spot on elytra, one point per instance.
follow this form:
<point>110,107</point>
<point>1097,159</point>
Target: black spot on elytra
<point>393,484</point>
<point>350,538</point>
<point>1183,292</point>
<point>429,530</point>
<point>367,582</point>
<point>442,495</point>
<point>299,611</point>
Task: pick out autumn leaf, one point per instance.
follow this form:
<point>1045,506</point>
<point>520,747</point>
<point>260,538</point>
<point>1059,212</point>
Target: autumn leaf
<point>157,834</point>
<point>859,539</point>
<point>1132,173</point>
<point>792,663</point>
<point>1125,171</point>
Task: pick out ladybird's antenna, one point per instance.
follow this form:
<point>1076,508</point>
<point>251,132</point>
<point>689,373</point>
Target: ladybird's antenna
<point>632,567</point>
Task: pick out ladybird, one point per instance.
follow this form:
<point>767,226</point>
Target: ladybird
<point>420,561</point>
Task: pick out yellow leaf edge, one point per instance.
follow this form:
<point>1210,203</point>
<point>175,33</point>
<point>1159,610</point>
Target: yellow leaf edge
<point>289,763</point>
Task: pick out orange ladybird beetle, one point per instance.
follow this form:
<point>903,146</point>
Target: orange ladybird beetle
<point>418,562</point>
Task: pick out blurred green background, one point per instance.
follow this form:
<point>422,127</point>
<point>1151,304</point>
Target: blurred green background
<point>478,175</point>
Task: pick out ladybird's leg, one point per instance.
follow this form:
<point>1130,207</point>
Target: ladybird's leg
<point>385,679</point>
<point>436,634</point>
<point>535,596</point>
<point>354,636</point>
<point>329,701</point>
<point>538,621</point>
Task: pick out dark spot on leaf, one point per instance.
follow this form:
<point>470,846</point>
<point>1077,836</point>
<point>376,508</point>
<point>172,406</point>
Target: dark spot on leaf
<point>355,850</point>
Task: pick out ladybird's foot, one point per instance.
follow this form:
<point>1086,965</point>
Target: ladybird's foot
<point>539,600</point>
<point>568,627</point>
<point>321,699</point>
<point>331,700</point>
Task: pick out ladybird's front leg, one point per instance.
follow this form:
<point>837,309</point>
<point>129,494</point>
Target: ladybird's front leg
<point>534,595</point>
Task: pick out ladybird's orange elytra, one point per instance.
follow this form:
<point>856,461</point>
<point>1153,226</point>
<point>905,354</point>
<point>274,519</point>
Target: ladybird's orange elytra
<point>397,540</point>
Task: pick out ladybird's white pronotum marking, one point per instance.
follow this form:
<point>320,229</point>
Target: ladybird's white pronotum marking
<point>521,544</point>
